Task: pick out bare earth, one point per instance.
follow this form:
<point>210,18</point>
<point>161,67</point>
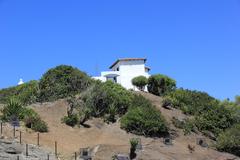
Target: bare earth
<point>110,139</point>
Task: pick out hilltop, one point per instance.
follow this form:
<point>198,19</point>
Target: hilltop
<point>67,106</point>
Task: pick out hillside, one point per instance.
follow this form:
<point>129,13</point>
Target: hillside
<point>109,139</point>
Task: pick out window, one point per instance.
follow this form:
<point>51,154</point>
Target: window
<point>118,69</point>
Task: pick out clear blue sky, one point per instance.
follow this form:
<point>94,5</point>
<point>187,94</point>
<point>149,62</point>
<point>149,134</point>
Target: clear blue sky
<point>197,42</point>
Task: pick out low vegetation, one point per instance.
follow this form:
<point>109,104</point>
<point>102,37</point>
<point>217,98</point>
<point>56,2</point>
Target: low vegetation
<point>14,110</point>
<point>144,119</point>
<point>26,93</point>
<point>229,140</point>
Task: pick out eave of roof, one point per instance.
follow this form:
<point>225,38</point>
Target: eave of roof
<point>127,59</point>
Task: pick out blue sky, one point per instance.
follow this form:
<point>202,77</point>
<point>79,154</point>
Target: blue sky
<point>195,42</point>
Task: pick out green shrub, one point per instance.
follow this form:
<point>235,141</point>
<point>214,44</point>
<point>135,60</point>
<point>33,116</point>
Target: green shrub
<point>35,123</point>
<point>191,102</point>
<point>215,119</point>
<point>229,140</point>
<point>146,121</point>
<point>32,120</point>
<point>71,120</point>
<point>61,82</point>
<point>26,93</point>
<point>13,108</point>
<point>160,84</point>
<point>101,96</point>
<point>140,82</point>
<point>133,142</point>
<point>189,126</point>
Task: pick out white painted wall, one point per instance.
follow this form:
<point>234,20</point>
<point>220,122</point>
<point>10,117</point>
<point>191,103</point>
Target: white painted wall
<point>127,71</point>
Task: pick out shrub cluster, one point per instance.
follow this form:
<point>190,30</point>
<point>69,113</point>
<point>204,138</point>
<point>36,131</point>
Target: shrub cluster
<point>229,140</point>
<point>26,93</point>
<point>62,81</point>
<point>144,119</point>
<point>14,109</point>
<point>209,113</point>
<point>101,96</point>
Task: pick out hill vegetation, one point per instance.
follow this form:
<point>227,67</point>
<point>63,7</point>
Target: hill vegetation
<point>88,98</point>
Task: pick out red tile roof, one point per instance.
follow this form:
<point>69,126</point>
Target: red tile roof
<point>127,59</point>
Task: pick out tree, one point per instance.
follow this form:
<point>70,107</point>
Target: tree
<point>140,82</point>
<point>61,82</point>
<point>160,85</point>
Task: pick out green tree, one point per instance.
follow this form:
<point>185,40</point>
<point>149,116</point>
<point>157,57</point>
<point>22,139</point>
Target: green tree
<point>140,82</point>
<point>62,81</point>
<point>160,85</point>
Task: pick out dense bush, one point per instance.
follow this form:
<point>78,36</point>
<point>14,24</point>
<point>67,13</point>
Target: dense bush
<point>190,102</point>
<point>35,123</point>
<point>140,82</point>
<point>209,113</point>
<point>229,140</point>
<point>160,84</point>
<point>15,110</point>
<point>71,120</point>
<point>62,81</point>
<point>215,119</point>
<point>101,96</point>
<point>144,120</point>
<point>26,93</point>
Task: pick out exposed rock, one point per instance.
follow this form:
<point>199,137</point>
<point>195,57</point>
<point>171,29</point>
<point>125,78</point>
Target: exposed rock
<point>10,150</point>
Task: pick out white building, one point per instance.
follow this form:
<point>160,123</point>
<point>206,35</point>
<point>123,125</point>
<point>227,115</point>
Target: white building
<point>20,81</point>
<point>124,70</point>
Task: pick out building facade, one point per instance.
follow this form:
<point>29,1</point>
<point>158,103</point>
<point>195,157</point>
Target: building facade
<point>124,70</point>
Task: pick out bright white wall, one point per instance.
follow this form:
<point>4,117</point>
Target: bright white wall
<point>127,71</point>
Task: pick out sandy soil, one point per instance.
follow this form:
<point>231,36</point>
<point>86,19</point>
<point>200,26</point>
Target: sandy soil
<point>110,139</point>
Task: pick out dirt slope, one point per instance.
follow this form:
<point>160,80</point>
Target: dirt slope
<point>110,139</point>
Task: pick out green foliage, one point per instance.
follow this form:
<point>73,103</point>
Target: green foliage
<point>140,82</point>
<point>26,93</point>
<point>229,140</point>
<point>189,126</point>
<point>61,82</point>
<point>35,123</point>
<point>215,119</point>
<point>191,102</point>
<point>12,109</point>
<point>71,120</point>
<point>32,120</point>
<point>161,85</point>
<point>134,142</point>
<point>144,120</point>
<point>209,113</point>
<point>101,96</point>
<point>111,115</point>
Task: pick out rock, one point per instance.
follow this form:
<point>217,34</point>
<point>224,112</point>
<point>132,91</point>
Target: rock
<point>202,142</point>
<point>14,149</point>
